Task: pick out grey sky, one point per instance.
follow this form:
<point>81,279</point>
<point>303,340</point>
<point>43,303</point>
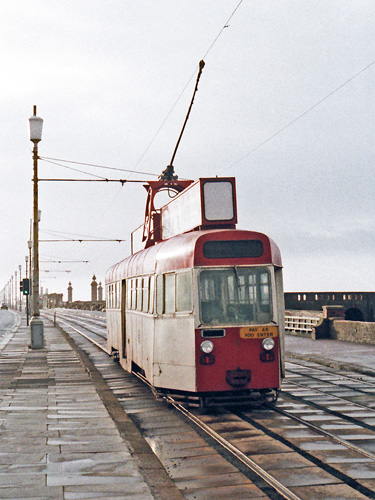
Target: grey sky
<point>106,74</point>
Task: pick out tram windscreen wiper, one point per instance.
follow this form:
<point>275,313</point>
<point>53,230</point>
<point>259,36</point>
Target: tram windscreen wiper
<point>237,277</point>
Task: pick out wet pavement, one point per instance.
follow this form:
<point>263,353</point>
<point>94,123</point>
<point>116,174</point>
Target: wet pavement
<point>57,439</point>
<point>9,322</point>
<point>335,353</point>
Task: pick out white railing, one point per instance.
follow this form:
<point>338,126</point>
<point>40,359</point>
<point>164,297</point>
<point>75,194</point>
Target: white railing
<point>301,323</point>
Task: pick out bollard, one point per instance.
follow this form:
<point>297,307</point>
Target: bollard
<point>54,318</point>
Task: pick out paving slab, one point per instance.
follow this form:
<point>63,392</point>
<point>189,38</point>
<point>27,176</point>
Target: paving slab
<point>338,353</point>
<point>57,438</point>
<point>328,492</point>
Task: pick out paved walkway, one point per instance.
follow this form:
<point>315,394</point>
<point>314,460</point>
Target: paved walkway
<point>57,440</point>
<point>335,353</point>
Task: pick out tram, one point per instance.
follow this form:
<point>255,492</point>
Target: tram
<point>200,314</point>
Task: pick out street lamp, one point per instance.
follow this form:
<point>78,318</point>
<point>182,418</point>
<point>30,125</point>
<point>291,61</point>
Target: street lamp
<point>27,297</point>
<point>36,324</point>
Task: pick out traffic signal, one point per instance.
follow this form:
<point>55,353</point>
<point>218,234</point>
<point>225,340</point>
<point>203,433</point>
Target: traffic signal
<point>21,286</point>
<point>26,286</point>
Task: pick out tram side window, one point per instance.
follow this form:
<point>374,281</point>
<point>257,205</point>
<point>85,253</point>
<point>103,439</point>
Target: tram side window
<point>151,293</point>
<point>174,293</point>
<point>170,293</point>
<point>111,296</point>
<point>139,294</point>
<point>133,295</point>
<point>145,290</point>
<point>184,298</point>
<point>159,294</point>
<point>128,294</point>
<point>119,295</point>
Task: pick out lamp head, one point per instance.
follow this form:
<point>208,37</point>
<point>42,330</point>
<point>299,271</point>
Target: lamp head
<point>36,126</point>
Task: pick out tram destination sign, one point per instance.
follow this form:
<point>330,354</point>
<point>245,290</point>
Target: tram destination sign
<point>205,203</point>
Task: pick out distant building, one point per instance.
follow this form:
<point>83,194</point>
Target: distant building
<point>95,304</point>
<point>358,306</point>
<point>52,300</point>
<point>94,289</point>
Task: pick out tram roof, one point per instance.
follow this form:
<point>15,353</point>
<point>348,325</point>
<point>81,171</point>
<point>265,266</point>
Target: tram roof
<point>186,251</point>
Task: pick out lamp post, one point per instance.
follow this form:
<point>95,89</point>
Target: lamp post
<point>20,270</point>
<point>15,291</point>
<point>30,246</point>
<point>27,297</point>
<point>36,324</point>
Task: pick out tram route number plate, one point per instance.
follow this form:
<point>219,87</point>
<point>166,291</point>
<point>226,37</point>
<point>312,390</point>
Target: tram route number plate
<point>258,332</point>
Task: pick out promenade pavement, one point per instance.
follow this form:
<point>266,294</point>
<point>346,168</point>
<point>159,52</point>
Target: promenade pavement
<point>57,439</point>
<point>335,353</point>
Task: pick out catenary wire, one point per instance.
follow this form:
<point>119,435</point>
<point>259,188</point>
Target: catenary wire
<point>54,232</point>
<point>71,168</point>
<point>298,117</point>
<point>95,165</point>
<point>186,85</point>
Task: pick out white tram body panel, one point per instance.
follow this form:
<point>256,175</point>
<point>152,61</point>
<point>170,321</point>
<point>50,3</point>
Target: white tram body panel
<point>174,354</point>
<point>222,287</point>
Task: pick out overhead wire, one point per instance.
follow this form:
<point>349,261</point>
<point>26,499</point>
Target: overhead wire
<point>61,234</point>
<point>226,25</point>
<point>56,161</point>
<point>71,168</point>
<point>298,117</point>
<point>45,158</point>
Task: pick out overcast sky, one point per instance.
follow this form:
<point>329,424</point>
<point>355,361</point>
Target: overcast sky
<point>107,77</point>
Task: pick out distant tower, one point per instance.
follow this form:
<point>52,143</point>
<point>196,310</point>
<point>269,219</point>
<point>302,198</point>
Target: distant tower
<point>94,289</point>
<point>70,292</point>
<point>100,291</point>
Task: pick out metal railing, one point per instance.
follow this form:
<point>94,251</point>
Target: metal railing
<point>301,323</point>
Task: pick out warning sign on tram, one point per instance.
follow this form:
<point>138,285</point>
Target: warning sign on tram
<point>258,332</point>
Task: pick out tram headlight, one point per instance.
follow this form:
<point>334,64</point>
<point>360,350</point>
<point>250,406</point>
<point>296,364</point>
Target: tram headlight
<point>207,346</point>
<point>268,344</point>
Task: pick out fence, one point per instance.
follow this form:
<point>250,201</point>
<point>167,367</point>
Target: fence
<point>301,324</point>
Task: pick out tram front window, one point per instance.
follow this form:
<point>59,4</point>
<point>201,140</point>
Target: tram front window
<point>236,296</point>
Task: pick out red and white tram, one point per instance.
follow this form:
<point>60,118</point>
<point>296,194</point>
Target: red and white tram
<point>201,315</point>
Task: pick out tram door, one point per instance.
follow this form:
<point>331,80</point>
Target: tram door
<point>123,318</point>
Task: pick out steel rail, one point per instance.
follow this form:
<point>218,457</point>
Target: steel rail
<point>270,480</point>
<point>81,322</point>
<point>104,349</point>
<point>339,398</point>
<point>321,431</point>
<point>280,488</point>
<point>342,375</point>
<point>235,452</point>
<point>87,337</point>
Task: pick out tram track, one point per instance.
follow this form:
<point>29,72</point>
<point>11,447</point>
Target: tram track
<point>278,490</point>
<point>363,379</point>
<point>102,336</point>
<point>310,374</point>
<point>229,442</point>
